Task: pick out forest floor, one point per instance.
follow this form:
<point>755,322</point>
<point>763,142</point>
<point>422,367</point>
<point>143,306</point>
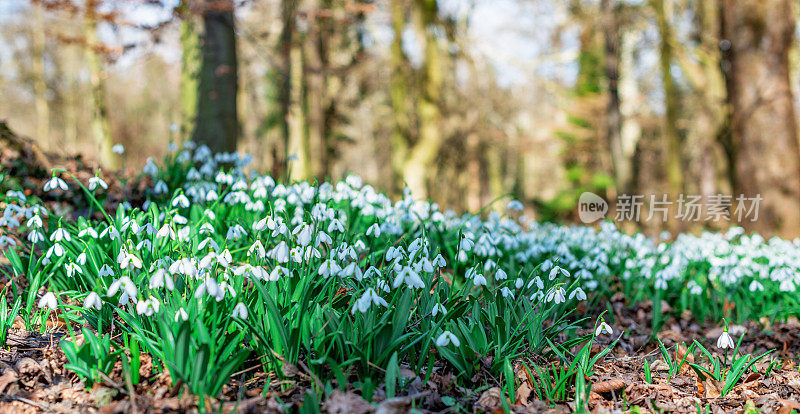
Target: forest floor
<point>33,379</point>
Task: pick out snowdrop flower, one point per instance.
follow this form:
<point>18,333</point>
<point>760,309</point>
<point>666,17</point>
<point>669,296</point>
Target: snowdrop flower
<point>367,300</point>
<point>466,244</point>
<point>95,182</point>
<point>506,292</point>
<point>148,307</point>
<point>160,279</point>
<point>258,249</point>
<point>279,253</point>
<point>160,187</point>
<point>239,311</point>
<point>518,283</point>
<point>180,201</point>
<point>129,261</point>
<point>72,269</point>
<point>106,271</point>
<point>55,183</point>
<point>447,338</point>
<point>48,301</point>
<point>374,230</point>
<point>439,261</point>
<point>92,300</point>
<point>578,293</point>
<point>756,286</point>
<point>500,274</point>
<point>60,234</point>
<point>558,295</point>
<point>479,280</point>
<point>556,270</point>
<point>7,241</point>
<point>438,308</point>
<point>181,315</point>
<point>35,222</point>
<point>34,237</point>
<point>725,340</point>
<point>603,328</point>
<point>515,205</point>
<point>56,249</point>
<point>126,284</point>
<point>694,288</point>
<point>89,231</point>
<point>118,149</point>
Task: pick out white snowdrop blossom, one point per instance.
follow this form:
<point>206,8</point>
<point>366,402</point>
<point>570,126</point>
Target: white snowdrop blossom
<point>48,300</point>
<point>603,328</point>
<point>239,311</point>
<point>54,184</point>
<point>725,341</point>
<point>92,301</point>
<point>447,338</point>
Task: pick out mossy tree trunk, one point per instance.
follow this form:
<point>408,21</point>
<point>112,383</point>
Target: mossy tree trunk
<point>217,123</point>
<point>765,146</point>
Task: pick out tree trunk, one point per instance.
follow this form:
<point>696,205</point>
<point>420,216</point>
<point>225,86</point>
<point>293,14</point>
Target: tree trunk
<point>619,162</point>
<point>101,131</point>
<point>191,60</point>
<point>663,9</point>
<point>398,91</point>
<point>217,118</point>
<point>39,78</point>
<point>767,158</point>
<point>316,86</point>
<point>423,153</point>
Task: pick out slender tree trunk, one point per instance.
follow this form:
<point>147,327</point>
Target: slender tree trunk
<point>663,9</point>
<point>298,138</point>
<point>398,89</point>
<point>611,34</point>
<point>767,158</point>
<point>316,85</point>
<point>191,60</point>
<point>217,118</point>
<point>39,78</point>
<point>424,151</point>
<point>101,130</point>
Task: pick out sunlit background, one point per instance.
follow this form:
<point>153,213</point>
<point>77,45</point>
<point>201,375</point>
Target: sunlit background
<point>464,101</point>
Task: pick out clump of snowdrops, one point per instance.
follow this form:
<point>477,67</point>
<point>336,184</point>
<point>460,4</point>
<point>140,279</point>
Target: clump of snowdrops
<point>221,271</point>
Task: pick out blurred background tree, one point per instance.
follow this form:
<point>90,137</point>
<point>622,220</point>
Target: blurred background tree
<point>463,101</point>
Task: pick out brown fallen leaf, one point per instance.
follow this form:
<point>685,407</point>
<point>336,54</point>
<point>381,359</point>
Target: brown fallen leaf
<point>346,402</point>
<point>7,378</point>
<point>522,394</point>
<point>490,399</point>
<point>609,385</point>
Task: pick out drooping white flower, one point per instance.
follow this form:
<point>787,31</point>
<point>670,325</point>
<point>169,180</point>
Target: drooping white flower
<point>438,308</point>
<point>557,295</point>
<point>48,300</point>
<point>181,315</point>
<point>447,338</point>
<point>603,328</point>
<point>60,235</point>
<point>239,311</point>
<point>578,293</point>
<point>92,300</point>
<point>55,183</point>
<point>756,286</point>
<point>95,182</point>
<point>118,149</point>
<point>725,341</point>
